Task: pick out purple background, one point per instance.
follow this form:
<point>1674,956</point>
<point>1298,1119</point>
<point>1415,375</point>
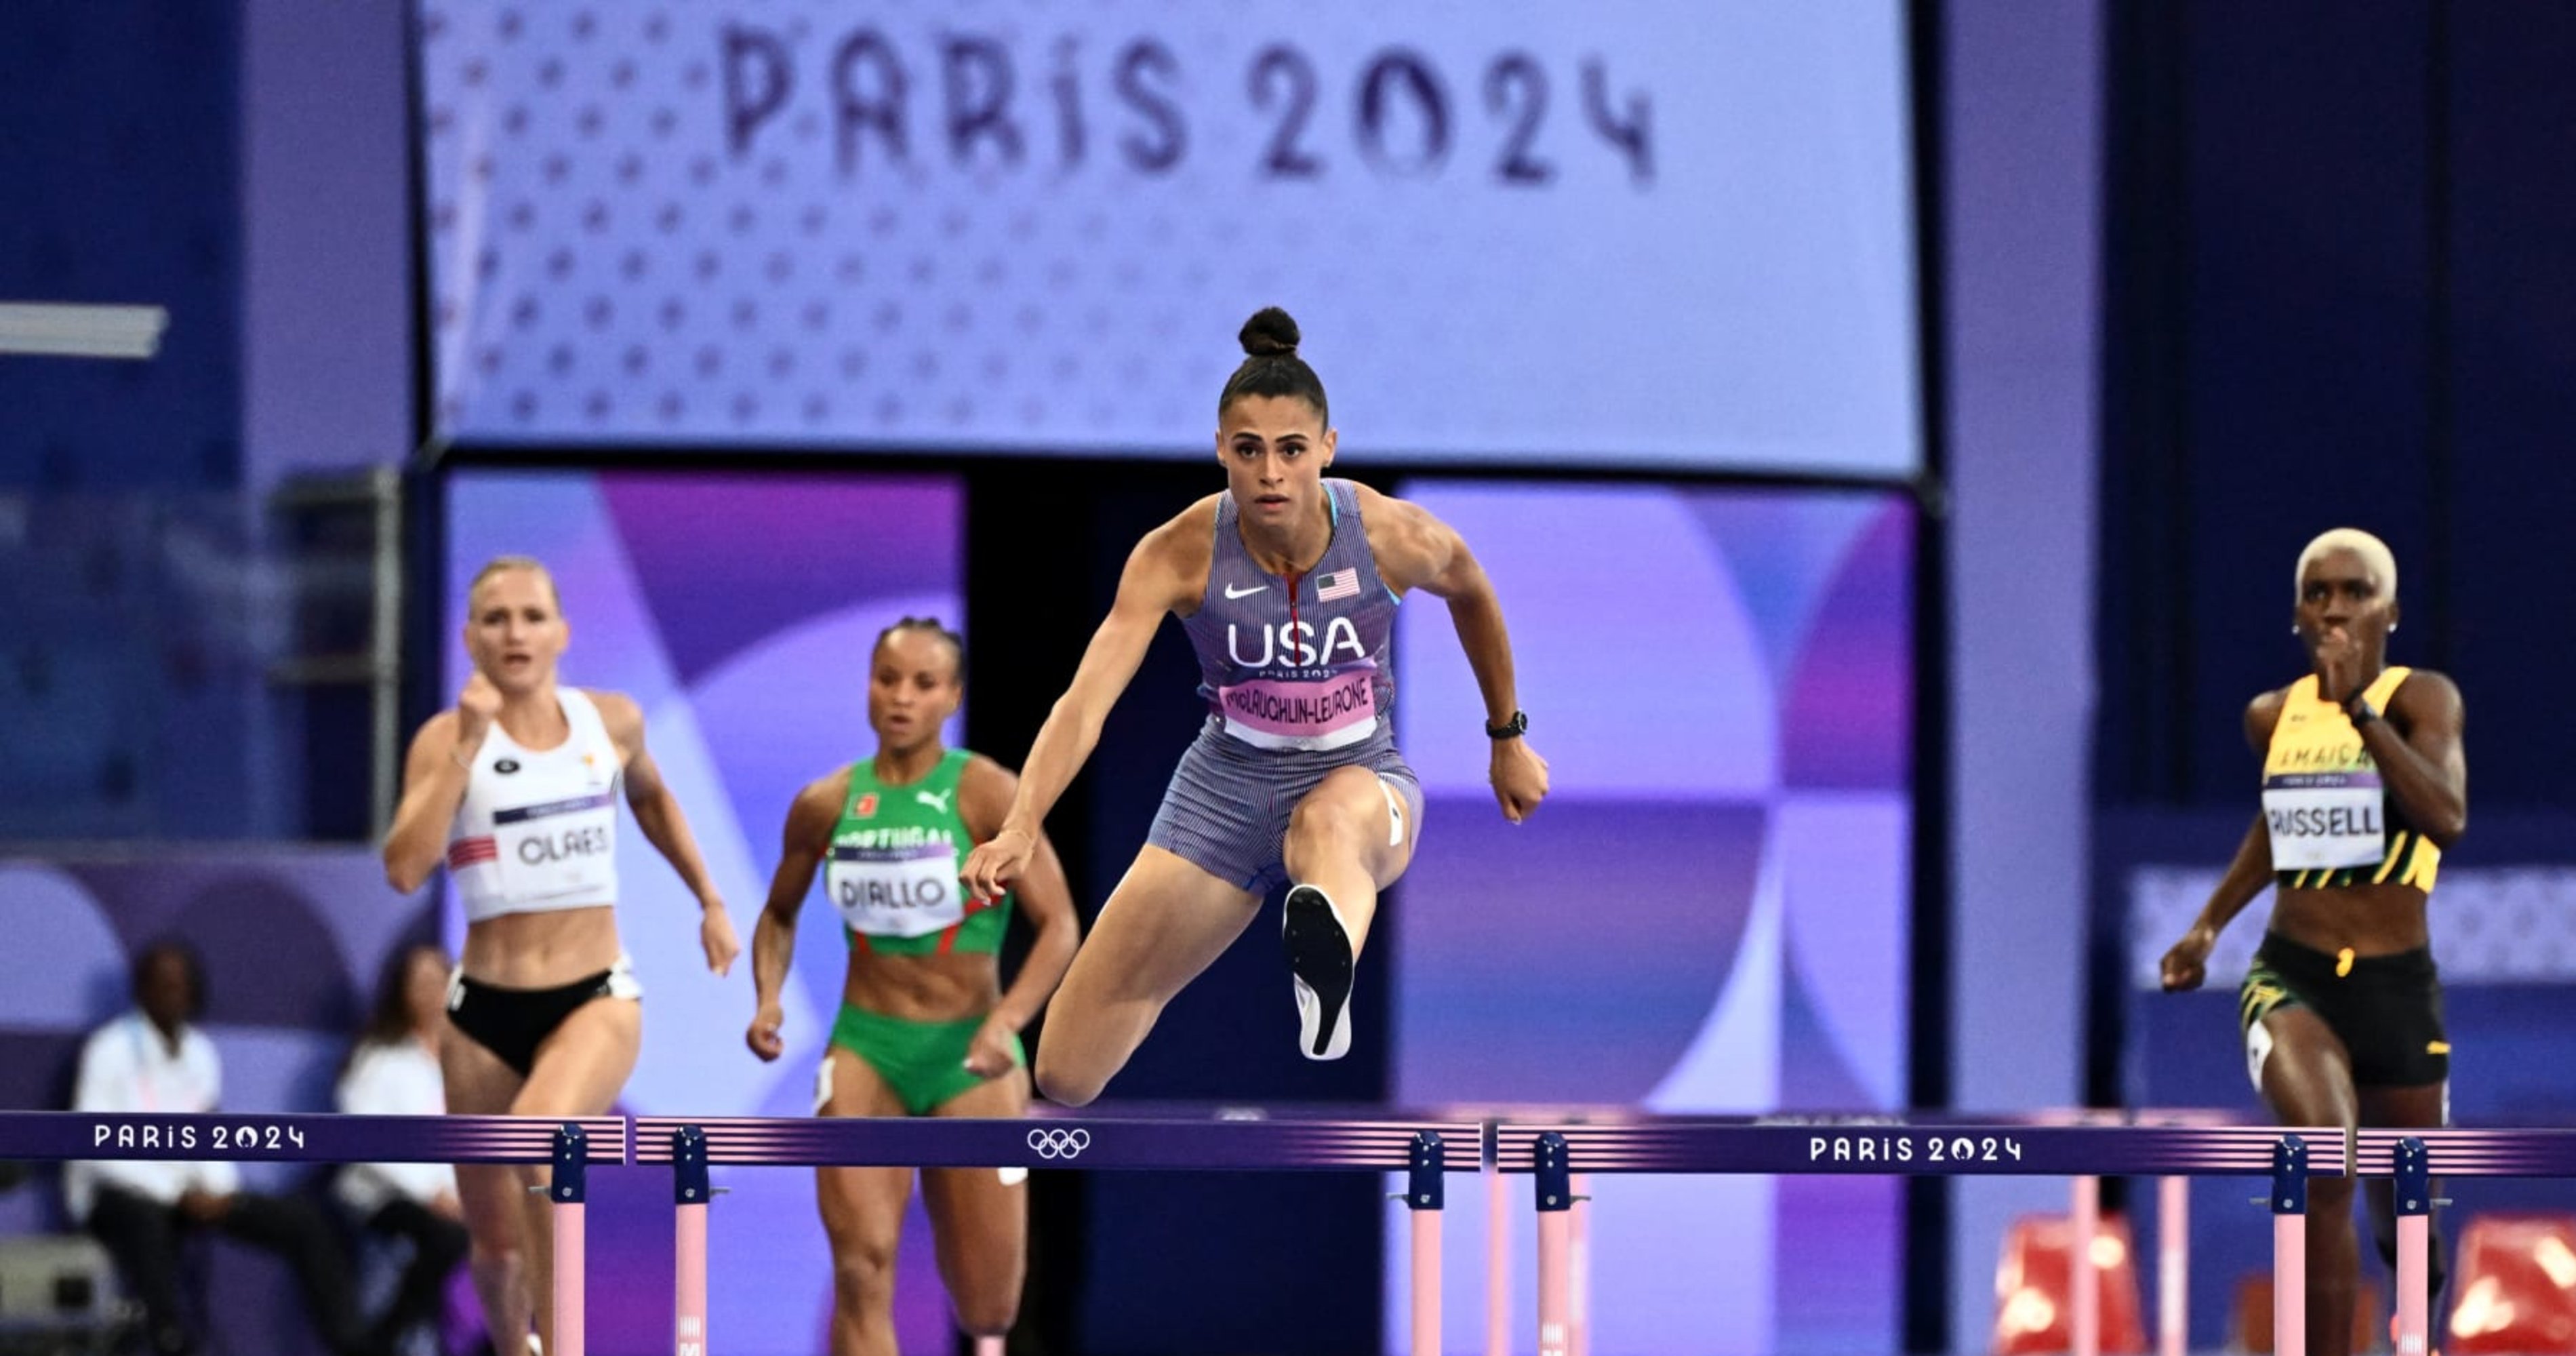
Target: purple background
<point>1711,914</point>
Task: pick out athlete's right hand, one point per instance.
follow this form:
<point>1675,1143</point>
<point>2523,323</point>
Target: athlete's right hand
<point>2187,964</point>
<point>763,1038</point>
<point>476,708</point>
<point>995,863</point>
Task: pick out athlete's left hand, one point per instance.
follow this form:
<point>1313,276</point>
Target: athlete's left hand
<point>2338,665</point>
<point>989,1054</point>
<point>1519,777</point>
<point>715,933</point>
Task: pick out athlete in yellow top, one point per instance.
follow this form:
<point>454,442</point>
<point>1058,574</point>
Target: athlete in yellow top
<point>2364,785</point>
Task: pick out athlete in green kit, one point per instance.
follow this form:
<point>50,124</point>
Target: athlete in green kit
<point>925,1027</point>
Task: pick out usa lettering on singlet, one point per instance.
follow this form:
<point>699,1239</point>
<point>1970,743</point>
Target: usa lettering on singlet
<point>895,882</point>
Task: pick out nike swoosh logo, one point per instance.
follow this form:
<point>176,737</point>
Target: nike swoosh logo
<point>1232,592</point>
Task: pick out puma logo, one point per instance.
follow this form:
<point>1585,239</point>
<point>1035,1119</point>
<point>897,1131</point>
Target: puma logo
<point>937,800</point>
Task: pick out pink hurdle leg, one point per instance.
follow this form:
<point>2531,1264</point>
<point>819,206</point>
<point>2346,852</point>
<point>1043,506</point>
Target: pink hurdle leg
<point>568,1187</point>
<point>990,1346</point>
<point>1555,1191</point>
<point>1555,1283</point>
<point>2289,1202</point>
<point>2173,1265</point>
<point>691,1190</point>
<point>1498,1266</point>
<point>2412,1192</point>
<point>2083,1281</point>
<point>1426,1283</point>
<point>1426,1194</point>
<point>690,1286</point>
<point>1579,1309</point>
<point>569,1264</point>
<point>2290,1285</point>
<point>2414,1266</point>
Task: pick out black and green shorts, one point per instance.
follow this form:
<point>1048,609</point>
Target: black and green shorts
<point>2386,1009</point>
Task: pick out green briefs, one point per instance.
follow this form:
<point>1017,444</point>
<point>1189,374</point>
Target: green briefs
<point>924,1062</point>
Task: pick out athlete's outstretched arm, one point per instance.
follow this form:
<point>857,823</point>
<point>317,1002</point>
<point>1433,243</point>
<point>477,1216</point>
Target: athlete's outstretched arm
<point>1157,580</point>
<point>2247,873</point>
<point>657,813</point>
<point>773,940</point>
<point>1416,550</point>
<point>984,798</point>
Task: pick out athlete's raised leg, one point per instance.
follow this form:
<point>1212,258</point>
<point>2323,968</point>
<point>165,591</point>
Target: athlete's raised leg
<point>1350,838</point>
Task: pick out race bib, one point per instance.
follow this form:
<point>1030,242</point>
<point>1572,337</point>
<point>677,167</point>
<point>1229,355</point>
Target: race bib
<point>560,847</point>
<point>2325,819</point>
<point>1291,713</point>
<point>907,891</point>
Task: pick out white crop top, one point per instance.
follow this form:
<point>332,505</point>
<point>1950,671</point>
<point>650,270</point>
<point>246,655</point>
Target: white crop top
<point>538,830</point>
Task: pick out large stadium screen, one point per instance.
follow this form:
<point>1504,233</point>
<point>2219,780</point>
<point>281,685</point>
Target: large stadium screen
<point>1636,232</point>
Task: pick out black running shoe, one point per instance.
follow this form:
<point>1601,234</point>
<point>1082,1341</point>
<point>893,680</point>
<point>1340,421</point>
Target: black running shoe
<point>1319,961</point>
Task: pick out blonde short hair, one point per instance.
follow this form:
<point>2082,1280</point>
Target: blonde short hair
<point>2374,553</point>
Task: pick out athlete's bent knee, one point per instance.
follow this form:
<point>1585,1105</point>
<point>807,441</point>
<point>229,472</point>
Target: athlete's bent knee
<point>1326,819</point>
<point>1064,1087</point>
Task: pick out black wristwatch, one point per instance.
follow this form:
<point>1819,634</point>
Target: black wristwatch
<point>1514,728</point>
<point>2359,711</point>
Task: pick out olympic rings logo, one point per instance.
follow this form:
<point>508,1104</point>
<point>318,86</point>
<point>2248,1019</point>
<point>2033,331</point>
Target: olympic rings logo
<point>1059,1143</point>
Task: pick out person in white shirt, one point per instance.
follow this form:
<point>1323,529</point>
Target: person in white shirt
<point>154,1060</point>
<point>393,1071</point>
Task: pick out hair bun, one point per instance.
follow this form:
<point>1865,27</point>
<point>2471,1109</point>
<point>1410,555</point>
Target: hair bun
<point>1270,333</point>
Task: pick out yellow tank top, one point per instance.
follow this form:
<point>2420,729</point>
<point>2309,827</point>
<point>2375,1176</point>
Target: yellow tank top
<point>2331,821</point>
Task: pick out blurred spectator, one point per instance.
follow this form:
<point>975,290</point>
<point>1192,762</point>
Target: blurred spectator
<point>155,1061</point>
<point>393,1071</point>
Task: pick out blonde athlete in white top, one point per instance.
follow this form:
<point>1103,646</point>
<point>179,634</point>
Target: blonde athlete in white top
<point>548,1015</point>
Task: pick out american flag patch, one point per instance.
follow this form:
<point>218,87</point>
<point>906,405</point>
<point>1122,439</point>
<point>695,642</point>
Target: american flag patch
<point>1339,584</point>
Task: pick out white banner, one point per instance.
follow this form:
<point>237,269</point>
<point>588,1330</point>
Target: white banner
<point>1652,232</point>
